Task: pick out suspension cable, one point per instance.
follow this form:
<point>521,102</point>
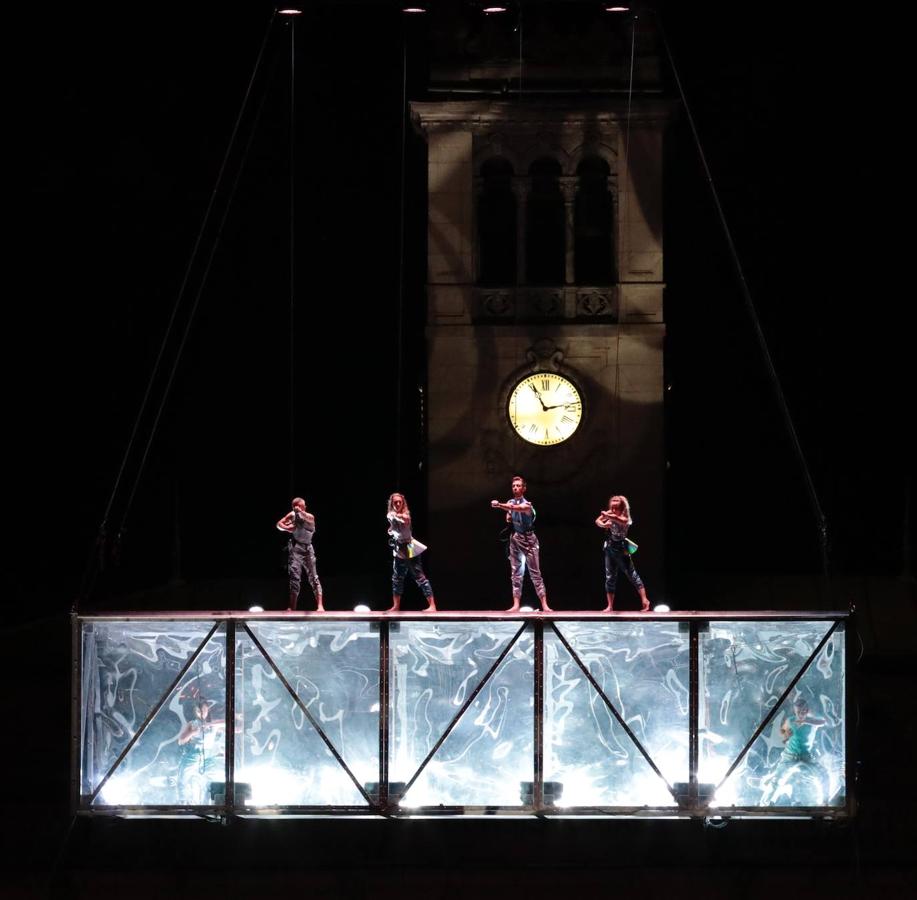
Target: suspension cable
<point>97,554</point>
<point>625,171</point>
<point>399,338</point>
<point>821,521</point>
<point>292,255</point>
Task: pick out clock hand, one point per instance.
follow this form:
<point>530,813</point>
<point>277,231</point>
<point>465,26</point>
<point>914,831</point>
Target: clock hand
<point>535,389</point>
<point>557,405</point>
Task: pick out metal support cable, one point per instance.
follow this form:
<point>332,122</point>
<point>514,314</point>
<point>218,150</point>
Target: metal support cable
<point>521,61</point>
<point>173,371</point>
<point>399,337</point>
<point>97,551</point>
<point>821,521</point>
<point>630,88</point>
<point>626,174</point>
<point>292,424</point>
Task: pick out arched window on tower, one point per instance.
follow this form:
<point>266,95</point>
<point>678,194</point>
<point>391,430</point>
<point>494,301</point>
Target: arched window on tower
<point>545,225</point>
<point>593,224</point>
<point>496,224</point>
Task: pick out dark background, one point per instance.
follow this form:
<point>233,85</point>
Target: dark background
<point>129,116</point>
<point>126,113</point>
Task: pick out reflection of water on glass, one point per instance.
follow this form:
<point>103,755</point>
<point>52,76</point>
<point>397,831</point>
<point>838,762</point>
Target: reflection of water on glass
<point>642,668</point>
<point>745,668</point>
<point>435,668</point>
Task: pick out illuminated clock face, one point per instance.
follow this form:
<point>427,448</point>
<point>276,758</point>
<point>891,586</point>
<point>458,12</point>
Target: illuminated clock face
<point>545,408</point>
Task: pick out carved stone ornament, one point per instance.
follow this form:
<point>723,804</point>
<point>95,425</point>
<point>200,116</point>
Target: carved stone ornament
<point>548,303</point>
<point>497,303</point>
<point>544,352</point>
<point>594,303</point>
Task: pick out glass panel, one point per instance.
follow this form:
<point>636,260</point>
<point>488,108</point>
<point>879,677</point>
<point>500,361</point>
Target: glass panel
<point>798,760</point>
<point>642,668</point>
<point>334,669</point>
<point>434,669</point>
<point>127,668</point>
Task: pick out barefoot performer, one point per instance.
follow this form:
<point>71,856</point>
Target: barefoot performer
<point>406,552</point>
<point>616,520</point>
<point>523,545</point>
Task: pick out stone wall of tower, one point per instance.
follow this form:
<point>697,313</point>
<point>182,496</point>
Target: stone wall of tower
<point>481,340</point>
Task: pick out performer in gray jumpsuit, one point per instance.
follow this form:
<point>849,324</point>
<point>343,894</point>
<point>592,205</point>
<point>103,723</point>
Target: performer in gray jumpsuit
<point>300,525</point>
<point>524,552</point>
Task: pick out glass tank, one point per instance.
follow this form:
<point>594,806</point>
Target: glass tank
<point>402,715</point>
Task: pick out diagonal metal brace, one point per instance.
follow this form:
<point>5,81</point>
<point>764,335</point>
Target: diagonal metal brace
<point>312,720</point>
<point>769,717</point>
<point>471,698</point>
<point>611,707</point>
<point>153,712</point>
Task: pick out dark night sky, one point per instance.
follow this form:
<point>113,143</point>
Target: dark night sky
<point>127,116</point>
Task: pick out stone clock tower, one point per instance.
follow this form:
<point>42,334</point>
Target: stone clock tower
<point>544,256</point>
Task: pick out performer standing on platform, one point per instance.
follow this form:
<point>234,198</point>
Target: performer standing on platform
<point>523,544</point>
<point>616,520</point>
<point>300,525</point>
<point>406,552</point>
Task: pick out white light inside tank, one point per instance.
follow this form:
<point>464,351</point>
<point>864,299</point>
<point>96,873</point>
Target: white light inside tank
<point>271,785</point>
<point>662,607</point>
<point>256,609</point>
<point>727,795</point>
<point>119,790</point>
<point>580,788</point>
<point>361,608</point>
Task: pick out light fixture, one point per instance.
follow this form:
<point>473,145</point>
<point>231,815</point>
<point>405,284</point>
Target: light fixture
<point>361,608</point>
<point>693,795</point>
<point>662,607</point>
<point>289,12</point>
<point>413,9</point>
<point>256,608</point>
<point>553,791</point>
<point>492,10</point>
<point>617,9</point>
<point>395,790</point>
<point>243,792</point>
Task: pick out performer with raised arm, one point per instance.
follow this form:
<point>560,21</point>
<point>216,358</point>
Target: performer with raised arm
<point>202,749</point>
<point>406,550</point>
<point>616,520</point>
<point>798,779</point>
<point>523,545</point>
<point>300,525</point>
